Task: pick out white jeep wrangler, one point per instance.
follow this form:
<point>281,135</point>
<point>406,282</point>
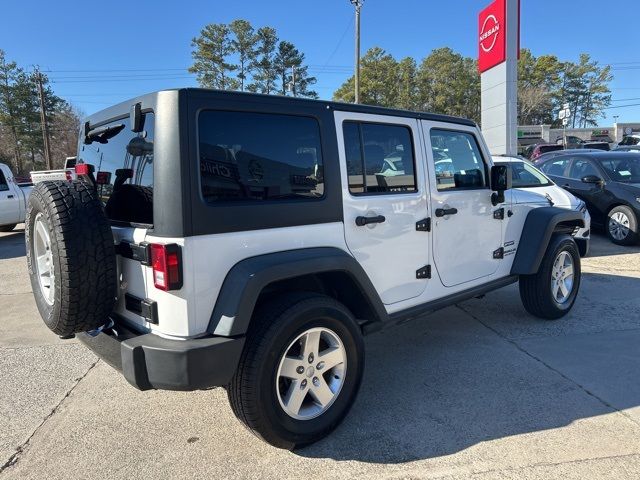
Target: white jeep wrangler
<point>248,241</point>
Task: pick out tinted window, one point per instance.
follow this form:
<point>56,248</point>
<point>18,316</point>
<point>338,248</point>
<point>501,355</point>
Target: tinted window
<point>380,158</point>
<point>257,156</point>
<point>630,140</point>
<point>581,168</point>
<point>555,167</point>
<point>527,176</point>
<point>549,148</point>
<point>3,183</point>
<point>624,168</point>
<point>124,169</point>
<point>458,162</point>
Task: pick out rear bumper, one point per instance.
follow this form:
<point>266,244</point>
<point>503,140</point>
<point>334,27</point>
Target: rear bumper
<point>148,361</point>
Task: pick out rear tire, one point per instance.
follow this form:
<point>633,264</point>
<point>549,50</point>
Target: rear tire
<point>7,228</point>
<point>263,391</point>
<point>70,256</point>
<point>551,293</point>
<point>622,226</point>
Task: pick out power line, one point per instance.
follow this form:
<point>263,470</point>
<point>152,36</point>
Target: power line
<point>623,106</point>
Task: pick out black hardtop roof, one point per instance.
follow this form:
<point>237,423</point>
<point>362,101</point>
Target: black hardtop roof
<point>258,97</point>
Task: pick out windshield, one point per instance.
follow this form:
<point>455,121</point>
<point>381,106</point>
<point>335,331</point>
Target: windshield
<point>527,176</point>
<point>635,140</point>
<point>624,168</point>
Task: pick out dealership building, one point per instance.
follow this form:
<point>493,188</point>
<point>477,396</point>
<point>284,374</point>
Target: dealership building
<point>531,134</point>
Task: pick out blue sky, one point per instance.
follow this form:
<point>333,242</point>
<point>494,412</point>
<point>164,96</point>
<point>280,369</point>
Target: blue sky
<point>100,53</point>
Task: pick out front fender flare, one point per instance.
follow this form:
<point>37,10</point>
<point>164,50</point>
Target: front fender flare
<point>540,225</point>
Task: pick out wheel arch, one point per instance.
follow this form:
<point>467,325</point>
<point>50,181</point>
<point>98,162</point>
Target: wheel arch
<point>539,227</point>
<point>325,270</point>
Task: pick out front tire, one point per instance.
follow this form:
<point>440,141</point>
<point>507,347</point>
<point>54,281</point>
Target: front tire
<point>300,371</point>
<point>551,292</point>
<point>622,226</point>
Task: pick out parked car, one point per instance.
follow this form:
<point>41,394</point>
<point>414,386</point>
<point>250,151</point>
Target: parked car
<point>67,173</point>
<point>534,151</point>
<point>13,200</point>
<point>258,238</point>
<point>630,148</point>
<point>630,140</point>
<point>546,156</point>
<point>572,141</point>
<point>609,183</point>
<point>597,146</point>
<point>531,188</point>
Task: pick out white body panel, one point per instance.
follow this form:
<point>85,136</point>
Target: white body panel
<point>392,251</point>
<point>463,244</point>
<point>13,202</point>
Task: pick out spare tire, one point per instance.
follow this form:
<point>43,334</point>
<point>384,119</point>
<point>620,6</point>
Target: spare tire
<point>70,256</point>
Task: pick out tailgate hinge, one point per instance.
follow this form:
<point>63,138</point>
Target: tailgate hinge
<point>498,214</point>
<point>424,272</point>
<point>424,225</point>
<point>499,253</point>
<point>134,251</point>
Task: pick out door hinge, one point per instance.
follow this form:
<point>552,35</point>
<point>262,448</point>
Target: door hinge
<point>499,253</point>
<point>499,214</point>
<point>424,272</point>
<point>424,225</point>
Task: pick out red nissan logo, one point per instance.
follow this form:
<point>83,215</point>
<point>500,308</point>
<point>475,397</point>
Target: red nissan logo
<point>489,35</point>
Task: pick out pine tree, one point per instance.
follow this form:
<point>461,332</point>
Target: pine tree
<point>211,57</point>
<point>265,74</point>
<point>244,45</point>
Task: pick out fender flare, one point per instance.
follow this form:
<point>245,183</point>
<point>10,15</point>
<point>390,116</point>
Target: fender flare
<point>539,227</point>
<point>246,280</point>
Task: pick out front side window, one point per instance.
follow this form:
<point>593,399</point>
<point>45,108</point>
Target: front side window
<point>457,159</point>
<point>380,158</point>
<point>527,176</point>
<point>582,167</point>
<point>555,167</point>
<point>3,183</point>
<point>123,165</point>
<point>248,156</point>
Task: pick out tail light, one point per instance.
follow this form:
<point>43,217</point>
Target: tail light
<point>166,262</point>
<point>83,169</point>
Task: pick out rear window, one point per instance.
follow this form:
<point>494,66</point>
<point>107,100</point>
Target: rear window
<point>256,157</point>
<point>123,166</point>
<point>549,148</point>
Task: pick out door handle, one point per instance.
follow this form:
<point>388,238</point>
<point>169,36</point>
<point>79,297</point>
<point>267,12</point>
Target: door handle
<point>9,196</point>
<point>441,212</point>
<point>566,185</point>
<point>362,221</point>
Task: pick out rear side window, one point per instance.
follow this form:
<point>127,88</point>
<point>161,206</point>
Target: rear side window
<point>555,167</point>
<point>380,158</point>
<point>457,160</point>
<point>3,183</point>
<point>581,168</point>
<point>258,156</point>
<point>527,176</point>
<point>123,165</point>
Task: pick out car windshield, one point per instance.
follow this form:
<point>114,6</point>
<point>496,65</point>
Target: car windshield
<point>623,168</point>
<point>527,176</point>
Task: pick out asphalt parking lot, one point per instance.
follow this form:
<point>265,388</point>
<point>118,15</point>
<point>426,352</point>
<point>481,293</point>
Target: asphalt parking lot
<point>481,390</point>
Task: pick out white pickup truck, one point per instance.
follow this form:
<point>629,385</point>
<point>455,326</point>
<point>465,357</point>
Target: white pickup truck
<point>67,173</point>
<point>13,200</point>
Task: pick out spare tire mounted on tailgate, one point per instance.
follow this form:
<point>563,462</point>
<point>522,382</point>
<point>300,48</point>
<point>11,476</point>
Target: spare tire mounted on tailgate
<point>71,256</point>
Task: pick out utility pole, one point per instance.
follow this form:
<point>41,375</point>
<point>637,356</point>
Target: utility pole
<point>358,5</point>
<point>43,121</point>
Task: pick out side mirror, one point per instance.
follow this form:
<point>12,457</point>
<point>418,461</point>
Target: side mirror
<point>500,181</point>
<point>592,179</point>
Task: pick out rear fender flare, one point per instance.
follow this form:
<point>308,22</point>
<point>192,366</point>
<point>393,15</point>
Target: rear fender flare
<point>246,280</point>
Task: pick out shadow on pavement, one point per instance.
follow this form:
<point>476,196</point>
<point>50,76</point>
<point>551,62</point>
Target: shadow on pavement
<point>442,384</point>
<point>601,246</point>
<point>12,244</point>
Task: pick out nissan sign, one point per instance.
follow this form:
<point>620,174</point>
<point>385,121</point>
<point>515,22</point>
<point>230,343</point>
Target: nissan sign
<point>491,36</point>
